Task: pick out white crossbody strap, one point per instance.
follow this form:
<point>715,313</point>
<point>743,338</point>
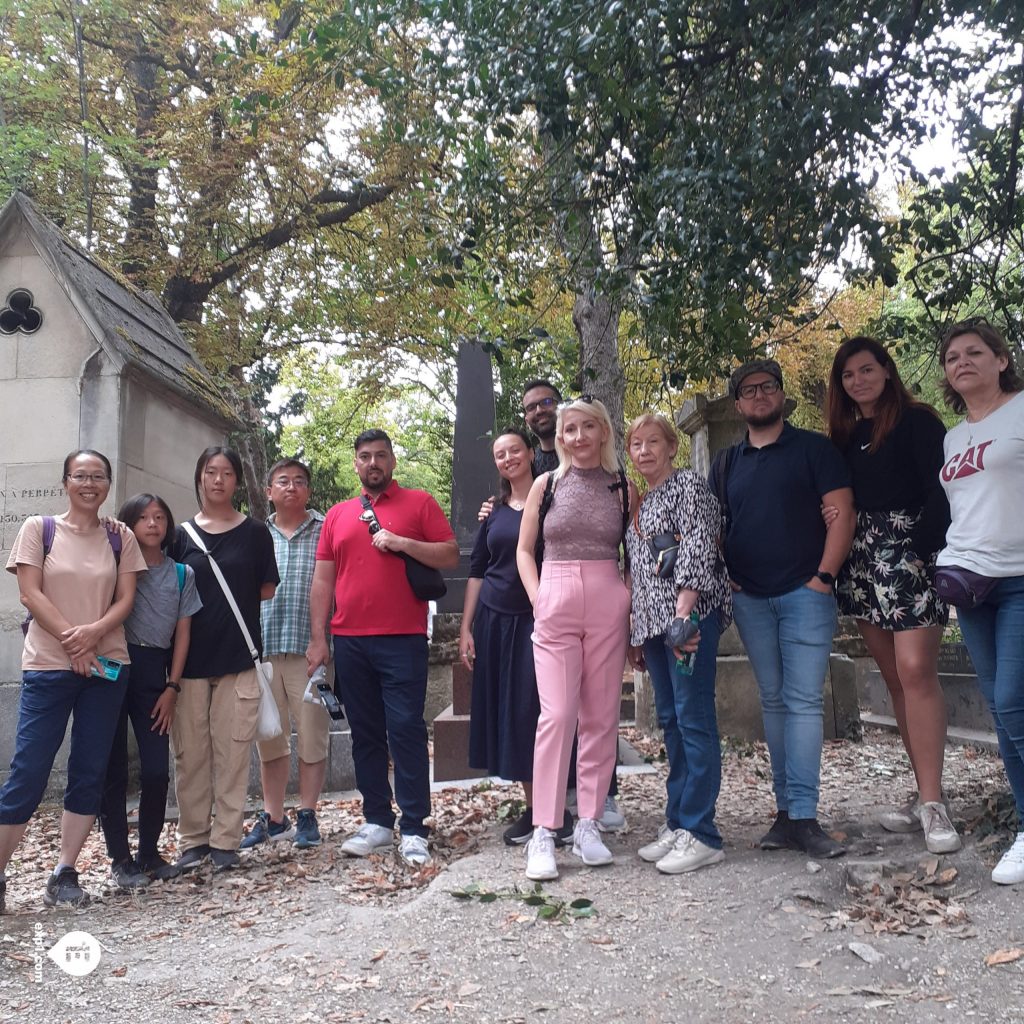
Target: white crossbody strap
<point>187,527</point>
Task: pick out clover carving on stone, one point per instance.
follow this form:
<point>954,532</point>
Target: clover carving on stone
<point>19,314</point>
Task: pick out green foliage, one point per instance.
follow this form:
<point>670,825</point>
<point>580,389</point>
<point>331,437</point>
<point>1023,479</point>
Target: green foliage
<point>549,908</point>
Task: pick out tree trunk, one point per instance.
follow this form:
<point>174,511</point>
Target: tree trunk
<point>596,318</point>
<point>250,444</point>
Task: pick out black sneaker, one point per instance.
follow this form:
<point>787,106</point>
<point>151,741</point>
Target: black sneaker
<point>809,836</point>
<point>63,887</point>
<point>224,860</point>
<point>192,857</point>
<point>127,875</point>
<point>779,836</point>
<point>563,835</point>
<point>521,830</point>
<point>157,868</point>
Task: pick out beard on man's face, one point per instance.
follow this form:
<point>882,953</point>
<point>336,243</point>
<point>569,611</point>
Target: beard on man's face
<point>764,419</point>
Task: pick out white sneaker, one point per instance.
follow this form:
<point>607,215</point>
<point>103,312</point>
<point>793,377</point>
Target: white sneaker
<point>939,834</point>
<point>587,844</point>
<point>903,819</point>
<point>414,851</point>
<point>540,856</point>
<point>1010,869</point>
<point>653,852</point>
<point>688,854</point>
<point>612,819</point>
<point>369,839</point>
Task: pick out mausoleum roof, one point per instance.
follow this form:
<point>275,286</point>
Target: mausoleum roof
<point>134,329</point>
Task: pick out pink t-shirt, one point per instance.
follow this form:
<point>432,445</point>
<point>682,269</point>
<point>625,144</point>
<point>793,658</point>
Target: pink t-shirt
<point>79,576</point>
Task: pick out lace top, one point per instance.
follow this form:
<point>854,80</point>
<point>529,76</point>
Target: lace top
<point>584,522</point>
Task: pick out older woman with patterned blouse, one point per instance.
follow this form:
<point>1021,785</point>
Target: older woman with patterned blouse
<point>678,510</point>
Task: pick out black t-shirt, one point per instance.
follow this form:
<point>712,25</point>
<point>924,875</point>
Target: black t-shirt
<point>245,555</point>
<point>776,533</point>
<point>903,474</point>
<point>544,462</point>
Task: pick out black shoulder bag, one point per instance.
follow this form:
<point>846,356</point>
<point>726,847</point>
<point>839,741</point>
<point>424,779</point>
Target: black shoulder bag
<point>426,582</point>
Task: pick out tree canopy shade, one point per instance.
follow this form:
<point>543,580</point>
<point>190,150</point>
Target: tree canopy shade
<point>702,161</point>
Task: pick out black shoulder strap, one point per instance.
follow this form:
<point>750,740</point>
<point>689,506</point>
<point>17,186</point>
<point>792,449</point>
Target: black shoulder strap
<point>724,461</point>
<point>545,505</point>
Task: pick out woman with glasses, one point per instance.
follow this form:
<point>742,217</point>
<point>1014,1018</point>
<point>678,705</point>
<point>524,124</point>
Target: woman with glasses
<point>983,476</point>
<point>893,447</point>
<point>215,722</point>
<point>77,579</point>
<point>581,612</point>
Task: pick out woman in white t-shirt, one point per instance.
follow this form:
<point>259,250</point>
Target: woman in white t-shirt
<point>77,579</point>
<point>983,475</point>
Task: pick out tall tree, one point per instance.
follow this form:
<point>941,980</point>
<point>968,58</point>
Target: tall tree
<point>702,162</point>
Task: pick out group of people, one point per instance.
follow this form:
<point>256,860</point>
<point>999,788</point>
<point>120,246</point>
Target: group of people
<point>792,526</point>
<point>136,619</point>
<point>573,571</point>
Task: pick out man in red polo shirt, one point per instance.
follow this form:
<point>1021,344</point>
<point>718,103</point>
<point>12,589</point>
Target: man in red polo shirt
<point>380,642</point>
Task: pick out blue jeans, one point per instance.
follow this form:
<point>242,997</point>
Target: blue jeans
<point>686,714</point>
<point>788,640</point>
<point>994,633</point>
<point>382,681</point>
<point>48,700</point>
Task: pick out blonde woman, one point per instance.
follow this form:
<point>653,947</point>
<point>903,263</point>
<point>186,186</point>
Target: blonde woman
<point>581,613</point>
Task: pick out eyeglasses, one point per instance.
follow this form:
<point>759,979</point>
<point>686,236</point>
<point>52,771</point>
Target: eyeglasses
<point>298,482</point>
<point>766,387</point>
<point>92,478</point>
<point>541,403</point>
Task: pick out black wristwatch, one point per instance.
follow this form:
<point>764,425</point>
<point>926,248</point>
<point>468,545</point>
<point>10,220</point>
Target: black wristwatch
<point>826,577</point>
<point>172,685</point>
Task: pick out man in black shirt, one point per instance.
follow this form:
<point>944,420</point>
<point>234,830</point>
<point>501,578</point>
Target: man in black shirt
<point>782,562</point>
<point>540,409</point>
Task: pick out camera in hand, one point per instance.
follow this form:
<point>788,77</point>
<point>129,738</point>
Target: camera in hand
<point>320,691</point>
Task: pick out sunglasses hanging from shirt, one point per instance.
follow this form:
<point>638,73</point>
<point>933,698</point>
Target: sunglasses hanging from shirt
<point>427,583</point>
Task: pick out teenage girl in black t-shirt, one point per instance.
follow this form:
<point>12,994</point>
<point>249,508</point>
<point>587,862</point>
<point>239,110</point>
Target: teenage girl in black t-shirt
<point>216,717</point>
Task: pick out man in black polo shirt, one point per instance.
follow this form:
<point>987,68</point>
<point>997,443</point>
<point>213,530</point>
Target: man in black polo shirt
<point>783,563</point>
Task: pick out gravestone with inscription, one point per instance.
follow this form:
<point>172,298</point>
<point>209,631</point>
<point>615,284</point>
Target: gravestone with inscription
<point>86,361</point>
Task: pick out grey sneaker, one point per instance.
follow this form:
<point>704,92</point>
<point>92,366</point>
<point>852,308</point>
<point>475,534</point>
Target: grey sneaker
<point>939,834</point>
<point>224,860</point>
<point>307,830</point>
<point>903,819</point>
<point>63,887</point>
<point>192,857</point>
<point>653,852</point>
<point>612,819</point>
<point>266,830</point>
<point>588,845</point>
<point>127,875</point>
<point>368,840</point>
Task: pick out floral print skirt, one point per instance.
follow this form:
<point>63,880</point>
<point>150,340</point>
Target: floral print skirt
<point>879,585</point>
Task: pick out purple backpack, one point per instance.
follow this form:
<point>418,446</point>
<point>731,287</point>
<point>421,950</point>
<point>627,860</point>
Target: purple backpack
<point>50,528</point>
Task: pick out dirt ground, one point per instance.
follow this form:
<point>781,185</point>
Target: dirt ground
<point>886,933</point>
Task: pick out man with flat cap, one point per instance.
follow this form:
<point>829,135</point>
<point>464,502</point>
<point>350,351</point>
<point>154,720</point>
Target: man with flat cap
<point>783,563</point>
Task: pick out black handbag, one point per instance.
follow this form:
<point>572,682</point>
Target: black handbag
<point>426,582</point>
<point>664,548</point>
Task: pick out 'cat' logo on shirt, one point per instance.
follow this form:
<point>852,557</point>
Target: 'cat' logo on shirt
<point>970,462</point>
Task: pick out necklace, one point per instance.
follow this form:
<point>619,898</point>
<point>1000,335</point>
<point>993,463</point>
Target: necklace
<point>972,423</point>
<point>517,506</point>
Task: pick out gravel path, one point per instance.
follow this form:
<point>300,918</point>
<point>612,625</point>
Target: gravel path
<point>761,937</point>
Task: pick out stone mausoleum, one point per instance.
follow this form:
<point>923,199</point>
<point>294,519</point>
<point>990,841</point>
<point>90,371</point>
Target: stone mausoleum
<point>86,361</point>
